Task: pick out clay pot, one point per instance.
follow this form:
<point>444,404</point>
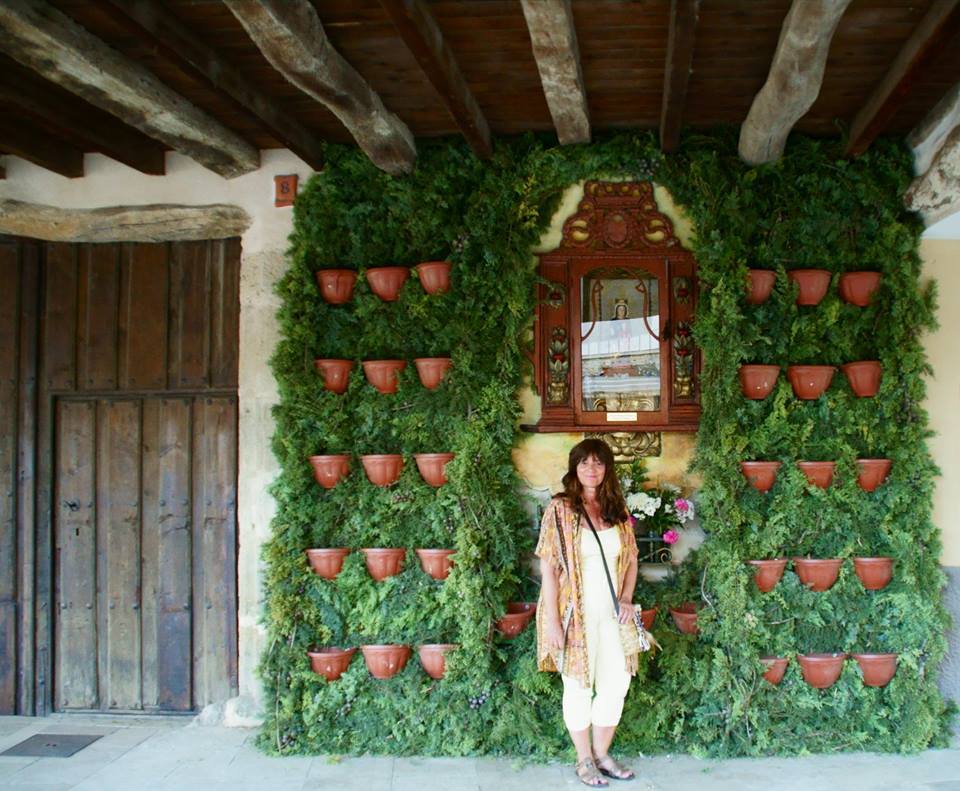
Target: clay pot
<point>864,377</point>
<point>685,617</point>
<point>761,285</point>
<point>821,670</point>
<point>383,374</point>
<point>331,663</point>
<point>809,382</point>
<point>336,285</point>
<point>436,562</point>
<point>757,381</point>
<point>813,284</point>
<point>776,667</point>
<point>386,281</point>
<point>819,473</point>
<point>383,562</point>
<point>382,469</point>
<point>385,661</point>
<point>528,608</point>
<point>327,562</point>
<point>768,573</point>
<point>511,624</point>
<point>818,574</point>
<point>432,467</point>
<point>857,287</point>
<point>877,669</point>
<point>760,474</point>
<point>431,370</point>
<point>647,617</point>
<point>874,573</point>
<point>431,657</point>
<point>328,470</point>
<point>872,472</point>
<point>434,276</point>
<point>335,373</point>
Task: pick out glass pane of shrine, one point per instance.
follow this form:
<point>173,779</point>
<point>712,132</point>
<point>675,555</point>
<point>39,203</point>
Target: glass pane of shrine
<point>620,341</point>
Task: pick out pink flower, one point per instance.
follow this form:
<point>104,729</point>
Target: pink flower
<point>681,505</point>
<point>633,521</point>
<point>671,536</point>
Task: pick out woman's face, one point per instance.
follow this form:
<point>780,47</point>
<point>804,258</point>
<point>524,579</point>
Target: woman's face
<point>590,472</point>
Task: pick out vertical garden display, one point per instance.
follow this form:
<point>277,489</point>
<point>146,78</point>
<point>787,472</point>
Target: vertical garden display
<point>460,361</point>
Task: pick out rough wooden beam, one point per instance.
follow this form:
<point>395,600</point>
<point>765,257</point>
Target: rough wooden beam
<point>936,194</point>
<point>290,35</point>
<point>154,223</point>
<point>928,137</point>
<point>149,19</point>
<point>54,46</point>
<point>43,149</point>
<point>554,40</point>
<point>926,42</point>
<point>793,83</point>
<point>676,74</point>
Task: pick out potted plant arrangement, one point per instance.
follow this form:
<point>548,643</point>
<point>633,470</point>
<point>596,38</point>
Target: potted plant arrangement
<point>658,512</point>
<point>877,655</point>
<point>375,442</point>
<point>336,285</point>
<point>760,285</point>
<point>812,284</point>
<point>821,656</point>
<point>857,288</point>
<point>433,658</point>
<point>432,370</point>
<point>386,281</point>
<point>871,473</point>
<point>757,381</point>
<point>335,373</point>
<point>434,276</point>
<point>330,662</point>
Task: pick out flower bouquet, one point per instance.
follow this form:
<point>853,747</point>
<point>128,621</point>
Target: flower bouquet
<point>659,513</point>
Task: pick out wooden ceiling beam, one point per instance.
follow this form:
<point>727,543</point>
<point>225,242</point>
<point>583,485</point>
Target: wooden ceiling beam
<point>939,26</point>
<point>149,20</point>
<point>35,145</point>
<point>45,40</point>
<point>421,34</point>
<point>554,40</point>
<point>936,194</point>
<point>794,81</point>
<point>684,15</point>
<point>291,37</point>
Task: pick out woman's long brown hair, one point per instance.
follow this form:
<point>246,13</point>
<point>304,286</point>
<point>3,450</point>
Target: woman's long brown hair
<point>612,505</point>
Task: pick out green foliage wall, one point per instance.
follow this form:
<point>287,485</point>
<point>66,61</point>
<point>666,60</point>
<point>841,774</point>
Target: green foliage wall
<point>704,694</point>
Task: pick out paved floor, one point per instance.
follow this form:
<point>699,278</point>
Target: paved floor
<point>175,755</point>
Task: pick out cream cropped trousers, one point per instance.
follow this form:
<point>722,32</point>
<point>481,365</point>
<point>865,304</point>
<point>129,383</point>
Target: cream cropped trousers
<point>600,703</point>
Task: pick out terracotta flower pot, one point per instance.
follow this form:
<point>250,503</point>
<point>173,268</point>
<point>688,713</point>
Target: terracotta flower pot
<point>877,669</point>
<point>821,670</point>
<point>328,470</point>
<point>872,472</point>
<point>331,663</point>
<point>383,374</point>
<point>776,667</point>
<point>431,657</point>
<point>431,370</point>
<point>434,276</point>
<point>768,573</point>
<point>760,285</point>
<point>436,562</point>
<point>857,287</point>
<point>813,284</point>
<point>383,562</point>
<point>335,373</point>
<point>874,573</point>
<point>511,624</point>
<point>757,381</point>
<point>528,608</point>
<point>327,562</point>
<point>385,661</point>
<point>819,473</point>
<point>864,377</point>
<point>382,469</point>
<point>809,382</point>
<point>432,467</point>
<point>336,285</point>
<point>386,281</point>
<point>648,616</point>
<point>818,574</point>
<point>685,617</point>
<point>760,474</point>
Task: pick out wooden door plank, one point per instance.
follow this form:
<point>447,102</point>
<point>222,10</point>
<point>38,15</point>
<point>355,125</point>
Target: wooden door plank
<point>97,320</point>
<point>225,313</point>
<point>118,552</point>
<point>142,331</point>
<point>189,310</point>
<point>167,583</point>
<point>76,557</point>
<point>60,316</point>
<point>214,549</point>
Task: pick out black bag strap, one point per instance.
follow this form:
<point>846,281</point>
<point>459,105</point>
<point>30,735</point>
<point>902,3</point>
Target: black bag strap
<point>606,569</point>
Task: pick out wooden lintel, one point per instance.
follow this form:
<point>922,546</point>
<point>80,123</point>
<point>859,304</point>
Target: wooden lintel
<point>45,40</point>
<point>794,80</point>
<point>419,31</point>
<point>554,40</point>
<point>676,74</point>
<point>939,26</point>
<point>35,145</point>
<point>291,37</point>
<point>936,194</point>
<point>927,138</point>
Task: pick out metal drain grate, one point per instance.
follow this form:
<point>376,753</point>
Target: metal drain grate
<point>52,745</point>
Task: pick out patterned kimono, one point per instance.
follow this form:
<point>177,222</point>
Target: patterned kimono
<point>561,520</point>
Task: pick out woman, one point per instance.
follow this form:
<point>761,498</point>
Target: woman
<point>577,631</point>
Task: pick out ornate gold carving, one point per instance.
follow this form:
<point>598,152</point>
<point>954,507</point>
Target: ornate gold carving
<point>609,217</point>
<point>628,446</point>
<point>682,290</point>
<point>558,364</point>
<point>556,294</point>
<point>683,386</point>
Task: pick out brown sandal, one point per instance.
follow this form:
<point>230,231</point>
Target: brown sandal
<point>587,772</point>
<point>611,767</point>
